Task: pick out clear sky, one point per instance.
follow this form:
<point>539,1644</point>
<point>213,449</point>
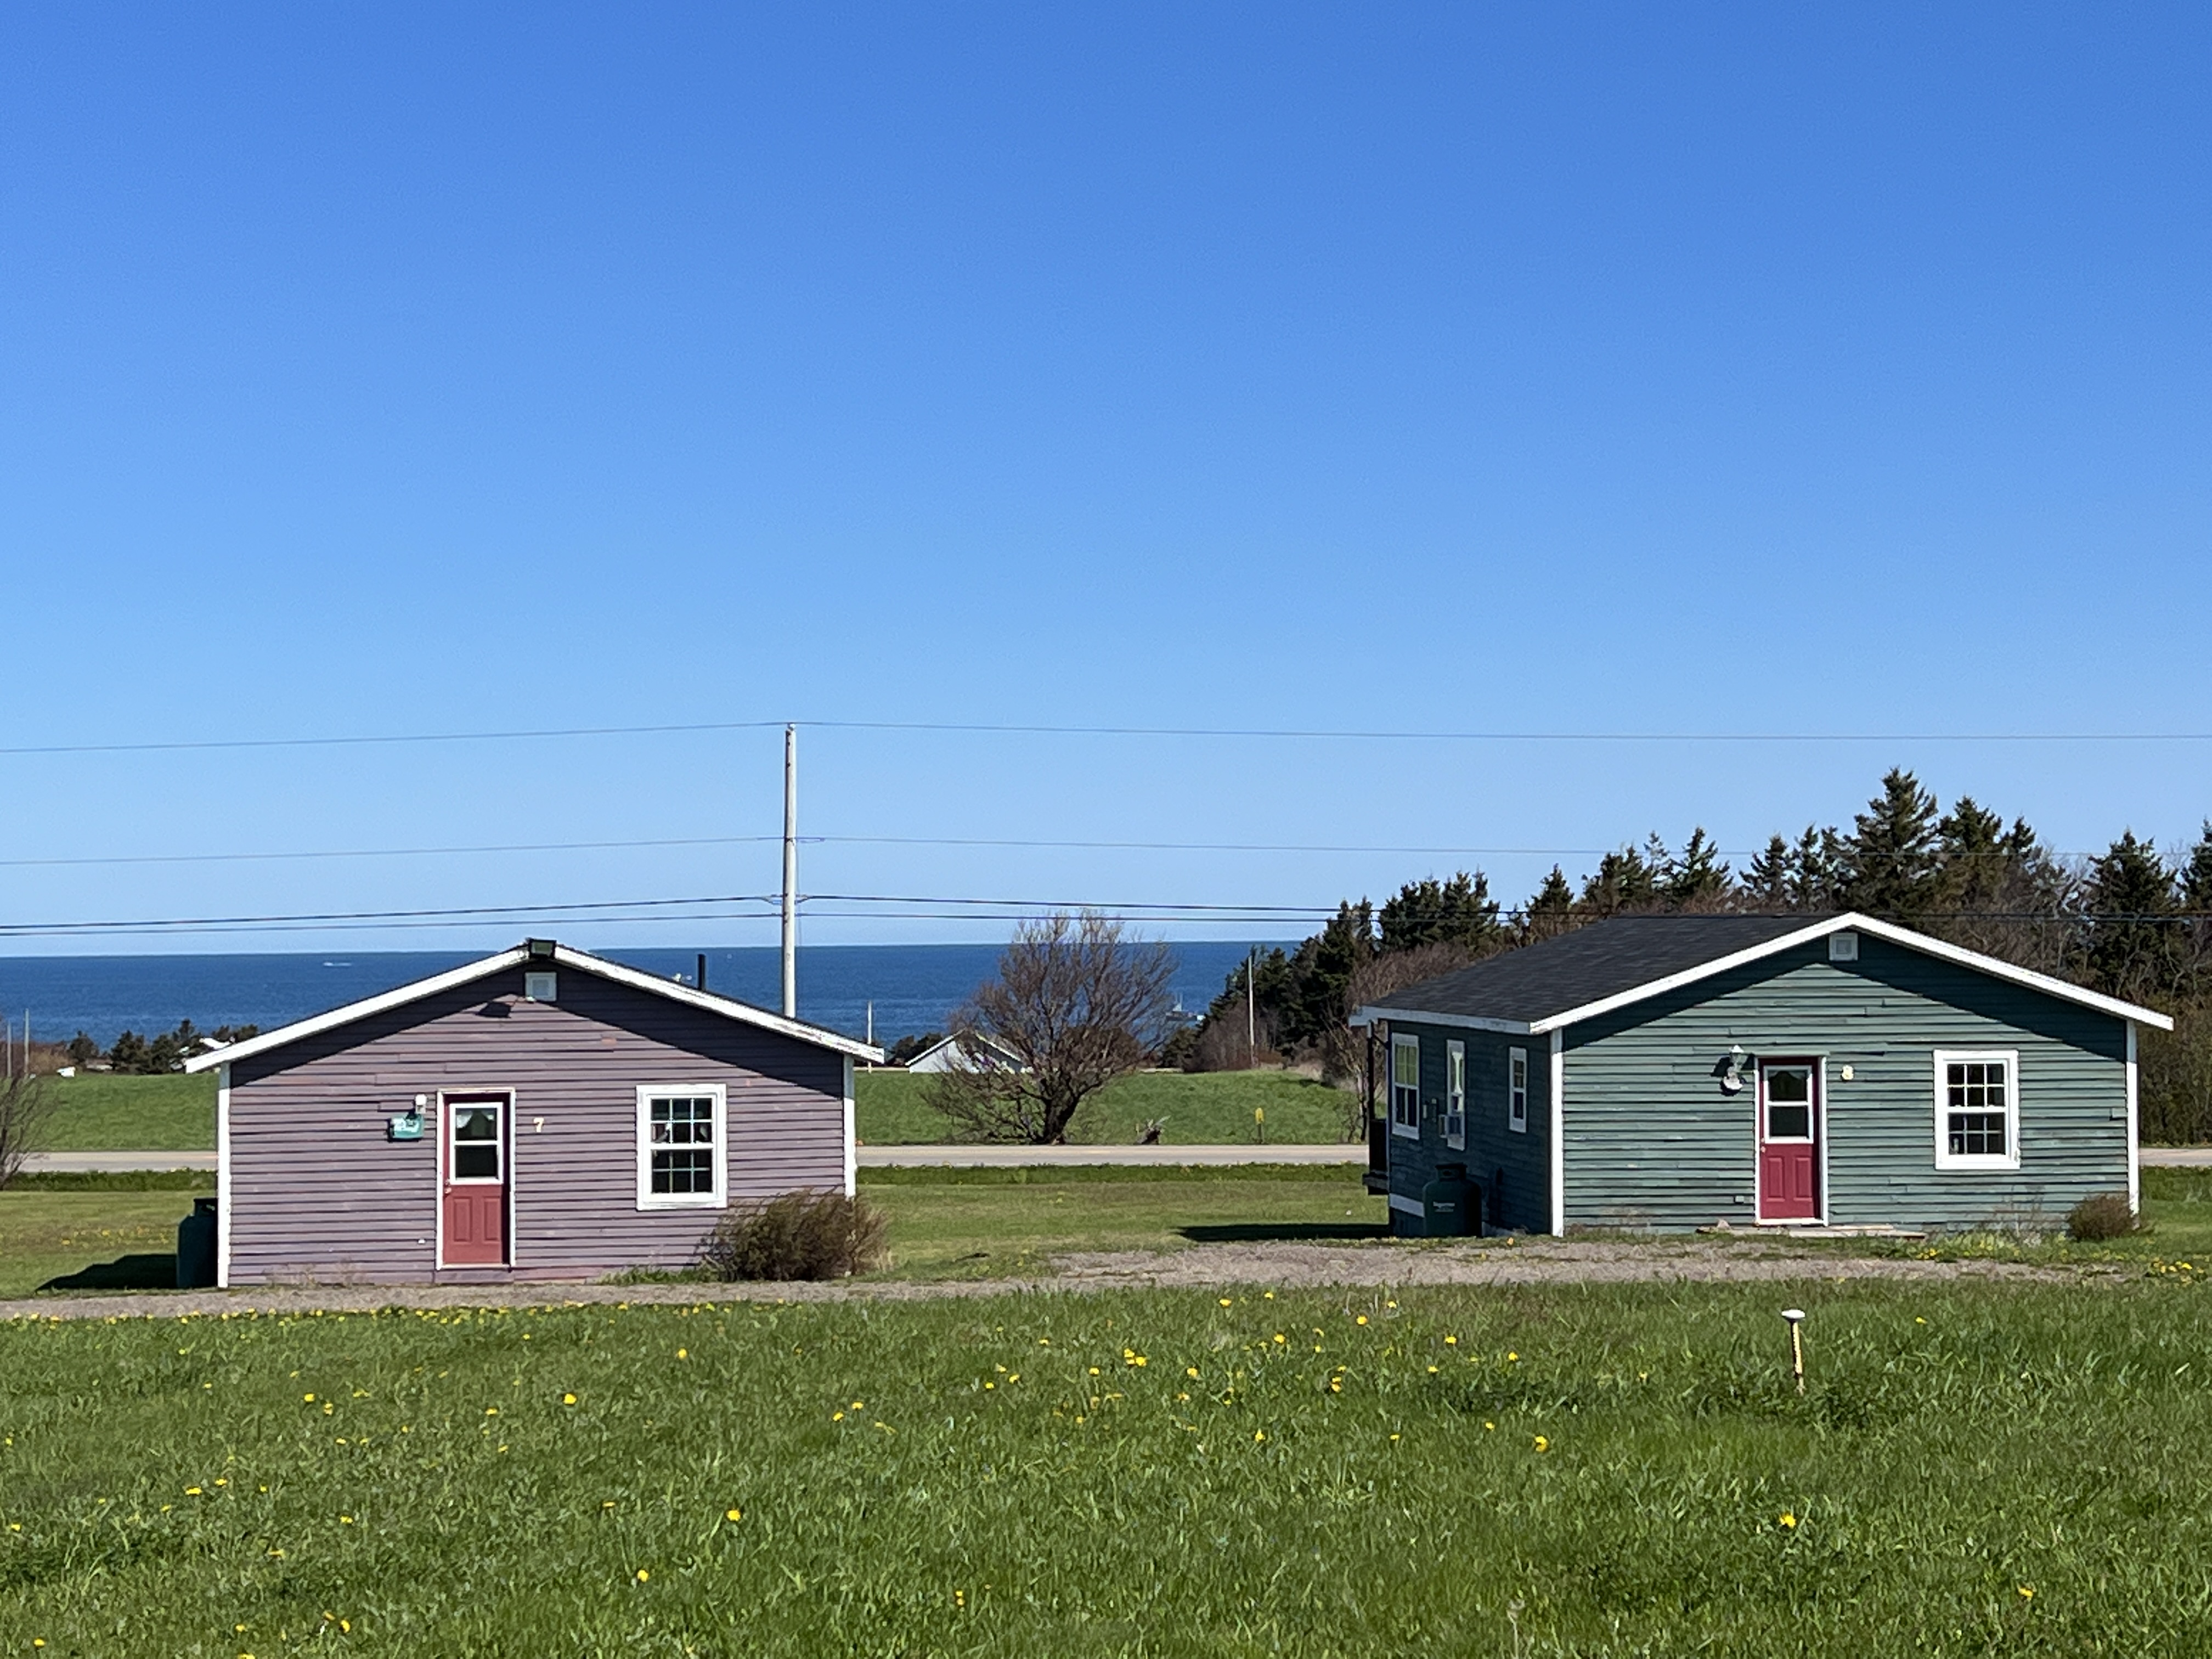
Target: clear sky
<point>381,369</point>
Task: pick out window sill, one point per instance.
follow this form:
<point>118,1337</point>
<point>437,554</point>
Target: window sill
<point>1975,1165</point>
<point>1404,1133</point>
<point>712,1202</point>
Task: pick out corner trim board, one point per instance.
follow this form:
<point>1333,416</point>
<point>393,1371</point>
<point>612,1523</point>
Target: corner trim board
<point>851,1147</point>
<point>222,1176</point>
<point>1558,1134</point>
<point>2134,1136</point>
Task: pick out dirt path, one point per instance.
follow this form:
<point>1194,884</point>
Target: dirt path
<point>1285,1265</point>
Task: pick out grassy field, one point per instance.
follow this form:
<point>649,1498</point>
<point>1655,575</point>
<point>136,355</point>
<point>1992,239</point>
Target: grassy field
<point>118,1231</point>
<point>1610,1470</point>
<point>177,1113</point>
<point>99,1112</point>
<point>1194,1109</point>
<point>943,1223</point>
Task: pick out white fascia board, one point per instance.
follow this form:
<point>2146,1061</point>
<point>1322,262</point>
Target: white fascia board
<point>581,960</point>
<point>1855,923</point>
<point>396,997</point>
<point>1464,1022</point>
<point>744,1013</point>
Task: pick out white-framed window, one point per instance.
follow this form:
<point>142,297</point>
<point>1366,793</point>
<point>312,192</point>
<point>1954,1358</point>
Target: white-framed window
<point>1455,1095</point>
<point>1516,1090</point>
<point>1405,1084</point>
<point>1843,947</point>
<point>541,987</point>
<point>1977,1108</point>
<point>681,1159</point>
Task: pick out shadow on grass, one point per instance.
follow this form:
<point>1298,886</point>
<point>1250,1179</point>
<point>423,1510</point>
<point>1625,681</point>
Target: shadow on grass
<point>126,1273</point>
<point>1283,1232</point>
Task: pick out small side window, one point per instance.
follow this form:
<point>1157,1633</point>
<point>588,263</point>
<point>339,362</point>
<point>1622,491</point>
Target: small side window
<point>541,987</point>
<point>1405,1085</point>
<point>1516,1090</point>
<point>1455,1095</point>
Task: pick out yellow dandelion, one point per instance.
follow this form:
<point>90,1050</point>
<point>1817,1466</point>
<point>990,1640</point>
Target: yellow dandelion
<point>2027,1592</point>
<point>836,1417</point>
<point>492,1411</point>
<point>684,1353</point>
<point>1227,1301</point>
<point>642,1574</point>
<point>1543,1444</point>
<point>309,1398</point>
<point>1393,1438</point>
<point>1279,1337</point>
<point>1513,1356</point>
<point>193,1491</point>
<point>1190,1370</point>
<point>1490,1425</point>
<point>734,1514</point>
<point>1786,1519</point>
<point>1451,1342</point>
<point>568,1399</point>
<point>1362,1319</point>
<point>1258,1435</point>
<point>860,1404</point>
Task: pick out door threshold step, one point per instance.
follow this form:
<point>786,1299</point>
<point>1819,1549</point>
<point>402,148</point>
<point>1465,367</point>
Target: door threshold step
<point>1772,1230</point>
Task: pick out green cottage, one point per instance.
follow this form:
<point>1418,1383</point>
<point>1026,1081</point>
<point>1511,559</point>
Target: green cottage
<point>1677,1071</point>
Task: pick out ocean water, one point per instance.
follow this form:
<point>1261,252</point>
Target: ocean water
<point>912,988</point>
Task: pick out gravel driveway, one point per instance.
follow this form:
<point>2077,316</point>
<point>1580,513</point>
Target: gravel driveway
<point>1283,1266</point>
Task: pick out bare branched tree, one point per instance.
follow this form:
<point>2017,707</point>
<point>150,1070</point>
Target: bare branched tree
<point>1078,1004</point>
<point>26,1105</point>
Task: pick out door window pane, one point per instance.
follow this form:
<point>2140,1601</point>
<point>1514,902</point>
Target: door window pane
<point>476,1143</point>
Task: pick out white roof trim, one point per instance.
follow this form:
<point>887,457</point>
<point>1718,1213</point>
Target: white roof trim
<point>1851,923</point>
<point>563,956</point>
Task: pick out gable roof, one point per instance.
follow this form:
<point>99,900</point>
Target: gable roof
<point>564,957</point>
<point>1611,965</point>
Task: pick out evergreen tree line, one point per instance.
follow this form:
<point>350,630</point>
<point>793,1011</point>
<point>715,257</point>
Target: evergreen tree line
<point>2128,922</point>
<point>164,1051</point>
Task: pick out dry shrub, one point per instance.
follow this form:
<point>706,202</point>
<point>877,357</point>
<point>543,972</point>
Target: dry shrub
<point>802,1235</point>
<point>2102,1215</point>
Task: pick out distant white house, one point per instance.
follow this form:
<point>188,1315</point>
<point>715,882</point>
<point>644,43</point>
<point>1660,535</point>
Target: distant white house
<point>972,1053</point>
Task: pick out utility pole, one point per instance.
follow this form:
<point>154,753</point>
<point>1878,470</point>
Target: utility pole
<point>790,872</point>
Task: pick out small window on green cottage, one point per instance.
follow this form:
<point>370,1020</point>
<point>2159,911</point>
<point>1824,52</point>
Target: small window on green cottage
<point>1516,1090</point>
<point>1405,1085</point>
<point>1976,1109</point>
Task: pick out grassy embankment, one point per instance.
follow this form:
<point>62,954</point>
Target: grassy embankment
<point>177,1113</point>
<point>1607,1470</point>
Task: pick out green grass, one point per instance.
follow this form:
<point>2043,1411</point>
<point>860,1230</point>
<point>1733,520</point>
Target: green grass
<point>1195,1108</point>
<point>119,1240</point>
<point>108,1232</point>
<point>970,1228</point>
<point>101,1112</point>
<point>1614,1470</point>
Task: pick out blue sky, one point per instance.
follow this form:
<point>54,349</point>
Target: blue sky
<point>390,369</point>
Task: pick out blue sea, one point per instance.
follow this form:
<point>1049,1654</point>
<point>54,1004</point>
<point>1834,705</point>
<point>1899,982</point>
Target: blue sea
<point>912,988</point>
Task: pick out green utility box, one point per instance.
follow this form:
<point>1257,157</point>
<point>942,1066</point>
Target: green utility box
<point>1451,1205</point>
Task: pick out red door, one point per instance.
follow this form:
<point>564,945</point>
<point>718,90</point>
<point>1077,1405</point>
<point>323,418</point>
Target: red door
<point>1789,1141</point>
<point>475,1197</point>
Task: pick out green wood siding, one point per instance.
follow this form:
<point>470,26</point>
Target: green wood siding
<point>1513,1170</point>
<point>1651,1141</point>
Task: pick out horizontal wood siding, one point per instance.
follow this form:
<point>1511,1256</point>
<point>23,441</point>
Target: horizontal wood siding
<point>317,1192</point>
<point>1652,1141</point>
<point>1514,1170</point>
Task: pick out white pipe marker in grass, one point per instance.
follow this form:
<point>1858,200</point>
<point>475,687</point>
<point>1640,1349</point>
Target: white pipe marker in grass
<point>1796,1317</point>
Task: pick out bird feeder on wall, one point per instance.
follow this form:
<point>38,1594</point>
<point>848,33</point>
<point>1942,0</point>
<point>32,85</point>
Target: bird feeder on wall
<point>407,1125</point>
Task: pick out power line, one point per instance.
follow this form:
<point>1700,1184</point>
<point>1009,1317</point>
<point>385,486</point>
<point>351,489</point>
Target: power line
<point>1010,729</point>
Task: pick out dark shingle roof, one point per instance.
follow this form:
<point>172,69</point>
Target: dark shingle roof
<point>1589,964</point>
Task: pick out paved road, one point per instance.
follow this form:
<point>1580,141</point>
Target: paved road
<point>2191,1158</point>
<point>872,1157</point>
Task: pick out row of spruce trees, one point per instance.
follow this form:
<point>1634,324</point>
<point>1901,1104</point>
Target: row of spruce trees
<point>2128,921</point>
